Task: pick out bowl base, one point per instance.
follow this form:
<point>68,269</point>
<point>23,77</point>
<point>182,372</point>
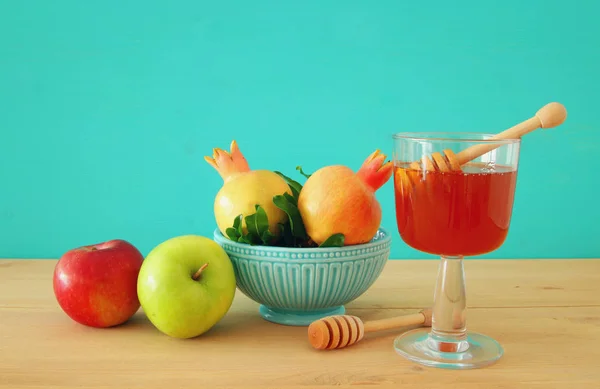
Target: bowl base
<point>297,318</point>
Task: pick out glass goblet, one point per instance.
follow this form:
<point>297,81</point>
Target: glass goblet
<point>453,196</point>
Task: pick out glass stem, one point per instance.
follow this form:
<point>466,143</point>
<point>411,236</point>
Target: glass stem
<point>448,326</point>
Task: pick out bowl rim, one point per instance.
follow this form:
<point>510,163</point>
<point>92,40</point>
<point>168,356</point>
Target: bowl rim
<point>217,235</point>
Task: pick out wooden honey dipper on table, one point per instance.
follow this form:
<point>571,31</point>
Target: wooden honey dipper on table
<point>338,331</point>
<point>550,115</point>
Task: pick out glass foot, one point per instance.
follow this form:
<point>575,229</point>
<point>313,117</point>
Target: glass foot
<point>477,351</point>
<point>297,317</point>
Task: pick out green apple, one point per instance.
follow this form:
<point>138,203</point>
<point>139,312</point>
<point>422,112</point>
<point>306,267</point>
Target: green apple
<point>186,285</point>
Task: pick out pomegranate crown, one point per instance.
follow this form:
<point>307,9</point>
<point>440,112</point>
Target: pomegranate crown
<point>228,163</point>
<point>374,172</point>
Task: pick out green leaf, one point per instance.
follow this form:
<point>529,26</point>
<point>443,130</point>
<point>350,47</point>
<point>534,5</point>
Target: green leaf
<point>297,226</point>
<point>295,186</point>
<point>267,238</point>
<point>237,221</point>
<point>237,224</point>
<point>335,240</point>
<point>260,226</point>
<point>252,238</point>
<point>251,225</point>
<point>235,232</point>
<point>299,168</point>
<point>232,233</point>
<point>291,199</point>
<point>285,230</point>
<point>261,220</point>
<point>245,239</point>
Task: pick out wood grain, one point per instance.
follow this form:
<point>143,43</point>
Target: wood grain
<point>546,313</point>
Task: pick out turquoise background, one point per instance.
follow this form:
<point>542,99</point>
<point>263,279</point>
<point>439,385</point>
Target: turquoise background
<point>107,108</point>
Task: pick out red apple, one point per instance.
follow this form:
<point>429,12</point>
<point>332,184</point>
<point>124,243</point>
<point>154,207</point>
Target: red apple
<point>96,285</point>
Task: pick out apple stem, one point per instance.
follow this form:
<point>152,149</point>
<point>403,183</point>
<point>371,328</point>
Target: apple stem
<point>196,275</point>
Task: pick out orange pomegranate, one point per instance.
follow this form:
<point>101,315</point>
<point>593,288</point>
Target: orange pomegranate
<point>336,200</point>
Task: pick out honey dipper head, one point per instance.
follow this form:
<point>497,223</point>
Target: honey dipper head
<point>551,115</point>
<point>335,332</point>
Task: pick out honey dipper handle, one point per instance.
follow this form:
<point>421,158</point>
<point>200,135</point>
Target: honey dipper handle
<point>423,317</point>
<point>550,115</point>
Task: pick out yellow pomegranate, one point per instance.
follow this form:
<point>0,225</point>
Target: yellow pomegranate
<point>243,189</point>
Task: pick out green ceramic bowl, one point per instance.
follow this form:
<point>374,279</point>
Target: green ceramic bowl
<point>295,286</point>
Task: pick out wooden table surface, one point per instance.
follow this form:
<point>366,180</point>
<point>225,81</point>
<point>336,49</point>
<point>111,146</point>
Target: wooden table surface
<point>546,314</point>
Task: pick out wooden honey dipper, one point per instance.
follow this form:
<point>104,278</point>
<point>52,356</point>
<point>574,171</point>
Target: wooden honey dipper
<point>550,115</point>
<point>338,331</point>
